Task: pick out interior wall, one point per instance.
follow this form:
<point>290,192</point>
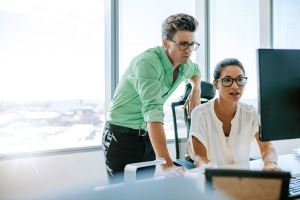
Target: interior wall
<point>29,177</point>
<point>41,175</point>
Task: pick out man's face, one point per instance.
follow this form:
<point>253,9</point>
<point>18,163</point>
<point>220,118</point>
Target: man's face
<point>175,47</point>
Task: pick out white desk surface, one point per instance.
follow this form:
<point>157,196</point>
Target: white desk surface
<point>190,186</point>
<point>288,162</point>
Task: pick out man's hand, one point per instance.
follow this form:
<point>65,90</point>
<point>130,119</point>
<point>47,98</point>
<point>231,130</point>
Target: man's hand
<point>172,171</point>
<point>192,101</point>
<point>159,142</point>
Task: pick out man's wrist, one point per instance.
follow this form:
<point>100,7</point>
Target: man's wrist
<point>196,93</point>
<point>169,163</point>
<point>167,166</point>
<point>196,89</point>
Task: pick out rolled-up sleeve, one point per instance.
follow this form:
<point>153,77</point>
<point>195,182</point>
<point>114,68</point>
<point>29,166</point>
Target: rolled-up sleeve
<point>191,70</point>
<point>146,80</point>
<point>197,128</point>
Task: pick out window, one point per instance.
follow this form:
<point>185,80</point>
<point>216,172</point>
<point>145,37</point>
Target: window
<point>286,24</point>
<point>52,74</point>
<point>234,33</point>
<point>140,29</point>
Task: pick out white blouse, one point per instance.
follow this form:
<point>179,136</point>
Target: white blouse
<point>207,128</point>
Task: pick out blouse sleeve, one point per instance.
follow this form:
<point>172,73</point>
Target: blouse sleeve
<point>255,123</point>
<point>197,128</point>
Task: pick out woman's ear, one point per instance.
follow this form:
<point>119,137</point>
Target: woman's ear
<point>215,84</point>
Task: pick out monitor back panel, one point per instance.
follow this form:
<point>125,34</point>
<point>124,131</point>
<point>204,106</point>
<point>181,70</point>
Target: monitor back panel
<point>246,184</point>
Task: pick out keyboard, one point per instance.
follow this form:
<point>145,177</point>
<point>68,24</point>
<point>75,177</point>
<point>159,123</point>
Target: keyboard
<point>294,187</point>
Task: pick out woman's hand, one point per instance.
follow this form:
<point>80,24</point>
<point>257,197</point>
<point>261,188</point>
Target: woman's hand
<point>271,166</point>
<point>200,162</point>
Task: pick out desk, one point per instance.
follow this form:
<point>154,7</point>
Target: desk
<point>288,162</point>
<point>257,184</point>
<point>191,186</point>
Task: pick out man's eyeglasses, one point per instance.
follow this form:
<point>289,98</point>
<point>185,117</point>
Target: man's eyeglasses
<point>240,81</point>
<point>185,45</point>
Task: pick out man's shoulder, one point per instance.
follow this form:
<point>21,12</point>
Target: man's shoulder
<point>150,54</point>
<point>149,57</point>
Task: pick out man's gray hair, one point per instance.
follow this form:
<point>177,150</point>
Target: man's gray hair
<point>174,23</point>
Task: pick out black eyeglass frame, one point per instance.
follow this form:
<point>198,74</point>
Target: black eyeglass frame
<point>185,45</point>
<point>232,80</point>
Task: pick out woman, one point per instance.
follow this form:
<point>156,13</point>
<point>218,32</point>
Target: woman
<point>222,129</point>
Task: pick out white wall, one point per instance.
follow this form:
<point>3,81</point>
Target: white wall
<point>40,175</point>
<point>29,177</point>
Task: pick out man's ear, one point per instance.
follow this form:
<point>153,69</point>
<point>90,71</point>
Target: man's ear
<point>165,43</point>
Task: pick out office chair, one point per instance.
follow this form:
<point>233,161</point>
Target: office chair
<point>208,92</point>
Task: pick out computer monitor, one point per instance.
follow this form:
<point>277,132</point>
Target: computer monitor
<point>279,93</point>
<point>248,184</point>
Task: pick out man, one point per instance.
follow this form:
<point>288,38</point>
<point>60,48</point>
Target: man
<point>134,129</point>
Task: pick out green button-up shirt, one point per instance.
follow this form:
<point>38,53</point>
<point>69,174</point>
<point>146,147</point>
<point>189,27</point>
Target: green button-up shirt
<point>144,88</point>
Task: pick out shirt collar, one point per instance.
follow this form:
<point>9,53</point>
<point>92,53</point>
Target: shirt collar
<point>167,65</point>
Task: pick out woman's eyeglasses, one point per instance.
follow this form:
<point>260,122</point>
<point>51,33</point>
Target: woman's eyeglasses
<point>227,82</point>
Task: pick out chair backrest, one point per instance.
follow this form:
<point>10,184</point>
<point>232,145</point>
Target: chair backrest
<point>208,92</point>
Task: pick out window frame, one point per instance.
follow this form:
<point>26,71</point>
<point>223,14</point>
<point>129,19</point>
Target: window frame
<point>112,57</point>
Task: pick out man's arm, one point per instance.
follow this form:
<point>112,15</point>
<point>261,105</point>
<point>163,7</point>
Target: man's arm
<point>194,98</point>
<point>268,154</point>
<point>159,142</point>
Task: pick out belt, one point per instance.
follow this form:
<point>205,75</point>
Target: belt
<point>122,129</point>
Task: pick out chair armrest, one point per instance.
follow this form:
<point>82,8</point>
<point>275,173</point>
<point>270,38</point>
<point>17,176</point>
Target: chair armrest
<point>185,163</point>
<point>130,169</point>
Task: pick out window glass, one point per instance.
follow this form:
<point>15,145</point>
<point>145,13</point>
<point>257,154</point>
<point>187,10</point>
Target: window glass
<point>140,29</point>
<point>52,74</point>
<point>234,33</point>
<point>286,24</point>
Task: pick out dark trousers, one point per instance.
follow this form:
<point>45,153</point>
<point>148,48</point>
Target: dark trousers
<point>121,149</point>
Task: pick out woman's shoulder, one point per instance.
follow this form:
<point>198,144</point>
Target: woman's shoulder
<point>205,107</point>
<point>247,108</point>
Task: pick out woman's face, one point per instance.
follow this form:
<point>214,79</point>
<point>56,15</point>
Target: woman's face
<point>234,91</point>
